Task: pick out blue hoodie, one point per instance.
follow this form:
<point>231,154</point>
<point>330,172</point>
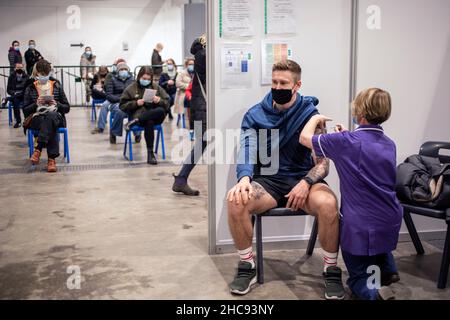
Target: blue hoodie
<point>294,159</point>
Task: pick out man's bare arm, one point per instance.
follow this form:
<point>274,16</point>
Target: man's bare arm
<point>322,167</point>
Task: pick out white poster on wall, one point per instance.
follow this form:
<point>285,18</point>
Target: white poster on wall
<point>236,18</point>
<point>236,66</point>
<point>279,17</point>
<point>273,51</point>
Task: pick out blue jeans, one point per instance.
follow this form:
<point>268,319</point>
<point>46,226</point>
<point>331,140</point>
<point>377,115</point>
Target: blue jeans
<point>103,116</point>
<point>118,117</point>
<point>358,276</point>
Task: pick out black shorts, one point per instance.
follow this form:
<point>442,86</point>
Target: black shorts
<point>279,186</point>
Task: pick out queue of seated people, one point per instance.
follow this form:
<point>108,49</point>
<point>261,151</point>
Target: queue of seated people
<point>44,103</point>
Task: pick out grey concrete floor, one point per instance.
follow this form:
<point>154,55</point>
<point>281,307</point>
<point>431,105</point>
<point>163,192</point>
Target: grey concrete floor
<point>131,237</point>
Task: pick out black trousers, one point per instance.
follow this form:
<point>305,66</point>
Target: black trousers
<point>198,115</point>
<point>48,125</point>
<point>17,107</point>
<point>148,120</point>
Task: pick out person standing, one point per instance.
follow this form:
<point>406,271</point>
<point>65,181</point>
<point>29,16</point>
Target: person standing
<point>87,70</point>
<point>32,56</point>
<point>198,114</point>
<point>157,62</point>
<point>182,83</point>
<point>14,56</point>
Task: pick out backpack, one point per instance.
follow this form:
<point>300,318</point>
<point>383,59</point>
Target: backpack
<point>424,181</point>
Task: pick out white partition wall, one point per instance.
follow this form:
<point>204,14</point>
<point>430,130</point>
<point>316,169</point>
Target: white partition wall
<point>408,54</point>
<point>402,46</point>
<point>321,45</point>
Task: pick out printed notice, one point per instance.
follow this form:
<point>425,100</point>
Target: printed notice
<point>236,18</point>
<point>272,52</point>
<point>279,17</point>
<point>236,68</point>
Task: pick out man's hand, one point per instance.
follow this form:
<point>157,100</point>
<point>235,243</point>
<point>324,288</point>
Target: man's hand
<point>297,197</point>
<point>140,102</point>
<point>243,191</point>
<point>40,101</point>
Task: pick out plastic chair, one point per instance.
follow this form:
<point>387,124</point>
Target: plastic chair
<point>278,212</point>
<point>10,113</point>
<point>431,149</point>
<point>33,133</point>
<point>95,102</point>
<point>138,130</point>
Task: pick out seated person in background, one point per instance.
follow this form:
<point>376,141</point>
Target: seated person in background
<point>114,89</point>
<point>146,114</point>
<point>168,82</point>
<point>103,115</point>
<point>46,102</point>
<point>98,84</point>
<point>182,82</point>
<point>17,82</point>
<point>365,160</point>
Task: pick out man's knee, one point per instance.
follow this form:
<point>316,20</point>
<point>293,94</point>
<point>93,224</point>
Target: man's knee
<point>327,208</point>
<point>237,210</point>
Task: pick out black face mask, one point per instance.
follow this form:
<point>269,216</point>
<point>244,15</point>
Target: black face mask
<point>282,96</point>
<point>19,71</point>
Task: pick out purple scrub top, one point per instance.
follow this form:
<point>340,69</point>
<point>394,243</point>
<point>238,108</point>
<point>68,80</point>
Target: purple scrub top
<point>371,215</point>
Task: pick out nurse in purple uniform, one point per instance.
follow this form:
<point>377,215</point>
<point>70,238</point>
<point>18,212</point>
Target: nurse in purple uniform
<point>371,215</point>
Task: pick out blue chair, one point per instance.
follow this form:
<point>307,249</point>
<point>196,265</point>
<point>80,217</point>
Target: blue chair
<point>10,113</point>
<point>138,130</point>
<point>95,102</point>
<point>33,133</point>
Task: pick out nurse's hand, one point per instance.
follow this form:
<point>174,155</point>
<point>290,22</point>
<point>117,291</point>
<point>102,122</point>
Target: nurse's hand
<point>241,193</point>
<point>297,197</point>
<point>340,128</point>
<point>321,120</point>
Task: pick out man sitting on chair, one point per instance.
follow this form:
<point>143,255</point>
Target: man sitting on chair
<point>298,184</point>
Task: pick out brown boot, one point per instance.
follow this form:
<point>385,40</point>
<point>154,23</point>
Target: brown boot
<point>51,165</point>
<point>35,157</point>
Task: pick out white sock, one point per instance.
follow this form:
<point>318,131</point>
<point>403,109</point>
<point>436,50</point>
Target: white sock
<point>329,260</point>
<point>247,256</point>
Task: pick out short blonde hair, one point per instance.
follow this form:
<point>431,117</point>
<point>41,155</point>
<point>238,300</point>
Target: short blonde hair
<point>374,105</point>
<point>289,65</point>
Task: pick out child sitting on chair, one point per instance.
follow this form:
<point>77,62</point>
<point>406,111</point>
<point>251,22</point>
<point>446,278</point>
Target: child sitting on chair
<point>371,215</point>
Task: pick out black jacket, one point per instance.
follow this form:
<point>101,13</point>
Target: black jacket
<point>31,96</point>
<point>199,53</point>
<point>31,57</point>
<point>116,86</point>
<point>424,181</point>
<point>16,87</point>
<point>163,82</point>
<point>14,57</point>
<point>96,94</point>
<point>156,61</point>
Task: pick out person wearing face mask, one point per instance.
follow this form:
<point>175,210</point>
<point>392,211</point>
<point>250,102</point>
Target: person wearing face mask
<point>46,103</point>
<point>114,90</point>
<point>103,115</point>
<point>98,84</point>
<point>297,184</point>
<point>17,83</point>
<point>157,61</point>
<point>14,56</point>
<point>87,70</point>
<point>184,78</point>
<point>168,82</point>
<point>198,116</point>
<point>145,114</point>
<point>32,56</point>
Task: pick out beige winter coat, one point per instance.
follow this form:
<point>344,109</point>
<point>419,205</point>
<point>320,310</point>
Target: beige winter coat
<point>182,82</point>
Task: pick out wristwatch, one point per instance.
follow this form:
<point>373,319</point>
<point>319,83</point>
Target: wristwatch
<point>308,181</point>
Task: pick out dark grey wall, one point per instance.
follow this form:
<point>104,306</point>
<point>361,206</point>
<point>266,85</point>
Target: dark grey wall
<point>194,24</point>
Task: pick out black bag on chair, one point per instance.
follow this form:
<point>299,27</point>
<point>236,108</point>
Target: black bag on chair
<point>424,181</point>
